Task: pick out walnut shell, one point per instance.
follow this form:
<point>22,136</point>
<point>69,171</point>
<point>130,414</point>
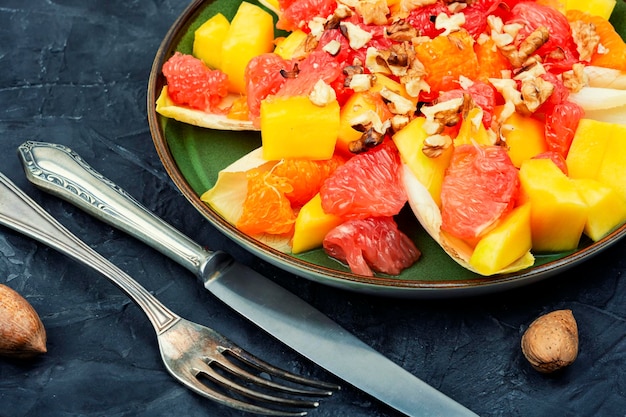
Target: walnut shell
<point>22,334</point>
<point>551,341</point>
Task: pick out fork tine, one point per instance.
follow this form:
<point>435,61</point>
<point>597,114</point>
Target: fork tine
<point>199,388</point>
<point>209,372</point>
<point>315,387</point>
<point>324,388</point>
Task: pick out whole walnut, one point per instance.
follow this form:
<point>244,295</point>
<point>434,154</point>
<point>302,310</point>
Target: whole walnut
<point>551,341</point>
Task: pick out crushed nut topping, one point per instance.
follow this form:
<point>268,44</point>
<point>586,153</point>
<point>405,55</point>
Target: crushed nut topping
<point>575,79</point>
<point>395,60</point>
<point>440,115</point>
<point>341,12</point>
<point>586,39</point>
<point>535,91</point>
<point>350,71</point>
<point>293,73</point>
<point>396,103</point>
<point>401,31</point>
<point>373,129</point>
<point>356,36</point>
<point>333,47</point>
<point>534,41</point>
<point>322,94</point>
<point>449,23</point>
<point>434,145</point>
<point>361,82</point>
<point>374,12</point>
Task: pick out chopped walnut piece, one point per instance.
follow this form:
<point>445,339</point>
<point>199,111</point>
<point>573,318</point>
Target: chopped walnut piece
<point>586,38</point>
<point>401,31</point>
<point>434,145</point>
<point>398,121</point>
<point>440,115</point>
<point>361,82</point>
<point>535,91</point>
<point>449,23</point>
<point>373,12</point>
<point>575,79</point>
<point>396,103</point>
<point>369,119</point>
<point>341,12</point>
<point>368,140</point>
<point>534,41</point>
<point>396,60</point>
<point>350,71</point>
<point>356,36</point>
<point>322,94</point>
<point>512,97</point>
<point>333,47</point>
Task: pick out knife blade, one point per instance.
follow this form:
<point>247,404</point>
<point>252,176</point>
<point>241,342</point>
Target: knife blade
<point>62,172</point>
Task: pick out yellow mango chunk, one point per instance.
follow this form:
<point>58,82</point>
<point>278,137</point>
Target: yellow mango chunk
<point>505,244</point>
<point>588,148</point>
<point>603,8</point>
<point>312,225</point>
<point>524,137</point>
<point>473,130</point>
<point>607,210</point>
<point>208,40</point>
<point>613,167</point>
<point>598,151</point>
<point>294,127</point>
<point>429,171</point>
<point>251,33</point>
<point>292,45</point>
<point>558,212</point>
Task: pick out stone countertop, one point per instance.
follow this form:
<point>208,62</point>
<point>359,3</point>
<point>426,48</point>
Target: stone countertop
<point>75,73</point>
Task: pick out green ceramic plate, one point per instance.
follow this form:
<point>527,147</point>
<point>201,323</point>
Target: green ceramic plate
<point>193,157</point>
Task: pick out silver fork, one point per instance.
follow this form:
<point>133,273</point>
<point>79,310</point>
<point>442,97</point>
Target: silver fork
<point>189,351</point>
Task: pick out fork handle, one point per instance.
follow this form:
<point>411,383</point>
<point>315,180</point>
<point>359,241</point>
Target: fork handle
<point>60,171</point>
<point>21,213</point>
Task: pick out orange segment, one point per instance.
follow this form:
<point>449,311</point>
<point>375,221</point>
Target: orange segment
<point>266,209</point>
<point>491,61</point>
<point>305,176</point>
<point>275,194</point>
<point>612,42</point>
<point>446,58</point>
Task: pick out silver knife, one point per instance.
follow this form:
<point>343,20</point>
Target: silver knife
<point>60,171</point>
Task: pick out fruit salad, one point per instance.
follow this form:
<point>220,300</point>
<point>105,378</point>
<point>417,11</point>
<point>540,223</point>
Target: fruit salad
<point>499,123</point>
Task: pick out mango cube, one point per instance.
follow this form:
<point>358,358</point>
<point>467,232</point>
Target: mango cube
<point>428,170</point>
<point>558,212</point>
<point>505,244</point>
<point>607,210</point>
<point>251,33</point>
<point>588,147</point>
<point>524,137</point>
<point>288,48</point>
<point>312,225</point>
<point>294,127</point>
<point>208,40</point>
<point>598,151</point>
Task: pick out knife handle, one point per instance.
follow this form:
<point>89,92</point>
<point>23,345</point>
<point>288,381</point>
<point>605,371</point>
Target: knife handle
<point>60,171</point>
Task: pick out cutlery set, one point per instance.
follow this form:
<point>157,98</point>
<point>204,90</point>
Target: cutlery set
<point>198,357</point>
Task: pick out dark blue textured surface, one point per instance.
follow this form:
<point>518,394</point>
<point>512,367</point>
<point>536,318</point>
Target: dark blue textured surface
<point>75,73</point>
